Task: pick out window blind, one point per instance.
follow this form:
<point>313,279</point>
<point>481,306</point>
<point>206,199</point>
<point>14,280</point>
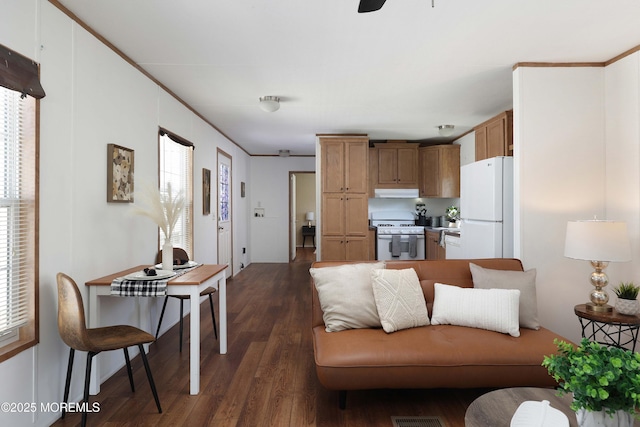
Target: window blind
<point>17,212</point>
<point>176,169</point>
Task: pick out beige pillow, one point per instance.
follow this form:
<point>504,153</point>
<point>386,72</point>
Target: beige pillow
<point>399,299</point>
<point>524,281</point>
<point>346,296</point>
<point>491,309</point>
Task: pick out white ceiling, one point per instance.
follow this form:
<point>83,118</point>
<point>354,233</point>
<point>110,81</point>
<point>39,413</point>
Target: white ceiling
<point>393,74</point>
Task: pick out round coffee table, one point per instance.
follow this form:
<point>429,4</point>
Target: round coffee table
<point>497,407</point>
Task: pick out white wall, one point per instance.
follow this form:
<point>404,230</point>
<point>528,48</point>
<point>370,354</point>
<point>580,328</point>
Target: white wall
<point>567,169</point>
<point>95,98</point>
<point>269,190</point>
<point>622,84</point>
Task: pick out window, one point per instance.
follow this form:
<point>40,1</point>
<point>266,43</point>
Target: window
<point>176,169</point>
<point>18,223</point>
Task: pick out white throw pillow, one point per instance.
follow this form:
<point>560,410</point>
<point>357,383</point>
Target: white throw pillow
<point>399,299</point>
<point>491,309</point>
<point>525,281</point>
<point>346,296</point>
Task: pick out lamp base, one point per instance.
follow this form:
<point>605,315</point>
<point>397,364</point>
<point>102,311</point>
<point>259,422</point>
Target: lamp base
<point>605,308</point>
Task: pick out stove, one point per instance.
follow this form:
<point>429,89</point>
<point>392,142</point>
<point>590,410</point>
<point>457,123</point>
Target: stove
<point>399,229</point>
<point>397,236</point>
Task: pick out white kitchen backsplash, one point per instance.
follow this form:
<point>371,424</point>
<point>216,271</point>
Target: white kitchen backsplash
<point>435,207</point>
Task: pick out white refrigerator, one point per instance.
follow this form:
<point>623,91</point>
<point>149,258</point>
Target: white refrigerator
<point>486,208</point>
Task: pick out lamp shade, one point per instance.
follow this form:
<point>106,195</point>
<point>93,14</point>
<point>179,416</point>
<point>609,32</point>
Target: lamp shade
<point>311,216</point>
<point>597,240</point>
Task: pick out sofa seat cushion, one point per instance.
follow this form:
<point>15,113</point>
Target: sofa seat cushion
<point>431,357</point>
<point>435,345</point>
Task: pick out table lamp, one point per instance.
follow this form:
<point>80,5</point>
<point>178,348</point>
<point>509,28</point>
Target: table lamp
<point>598,242</point>
<point>310,217</point>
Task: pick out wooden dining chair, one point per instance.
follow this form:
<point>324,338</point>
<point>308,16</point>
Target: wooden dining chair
<point>74,332</point>
<point>180,257</point>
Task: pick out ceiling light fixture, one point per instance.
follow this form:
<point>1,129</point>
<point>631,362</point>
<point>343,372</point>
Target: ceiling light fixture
<point>445,130</point>
<point>269,103</point>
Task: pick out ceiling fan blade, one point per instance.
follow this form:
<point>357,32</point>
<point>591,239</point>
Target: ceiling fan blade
<point>370,5</point>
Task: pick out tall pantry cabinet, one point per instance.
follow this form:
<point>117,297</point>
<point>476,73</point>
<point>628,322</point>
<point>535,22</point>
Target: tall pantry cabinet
<point>344,168</point>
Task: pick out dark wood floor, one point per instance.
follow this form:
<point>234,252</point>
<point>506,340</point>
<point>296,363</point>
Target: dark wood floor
<point>266,379</point>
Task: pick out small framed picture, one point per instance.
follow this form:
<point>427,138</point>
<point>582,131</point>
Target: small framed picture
<point>206,191</point>
<point>119,174</point>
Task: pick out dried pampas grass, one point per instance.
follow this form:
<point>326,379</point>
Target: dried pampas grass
<point>163,209</point>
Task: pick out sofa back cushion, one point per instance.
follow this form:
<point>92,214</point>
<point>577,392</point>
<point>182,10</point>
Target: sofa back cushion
<point>346,296</point>
<point>451,271</point>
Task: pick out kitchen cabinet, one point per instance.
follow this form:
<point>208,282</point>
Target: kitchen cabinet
<point>440,171</point>
<point>345,160</point>
<point>434,250</point>
<point>396,165</point>
<point>345,214</point>
<point>350,248</point>
<point>495,136</point>
<point>344,228</point>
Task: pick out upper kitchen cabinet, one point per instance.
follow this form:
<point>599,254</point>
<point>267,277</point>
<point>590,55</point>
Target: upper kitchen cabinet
<point>495,137</point>
<point>396,165</point>
<point>346,161</point>
<point>440,171</point>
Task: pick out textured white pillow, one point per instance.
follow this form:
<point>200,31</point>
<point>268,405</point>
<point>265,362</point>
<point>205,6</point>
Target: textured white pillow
<point>525,281</point>
<point>491,309</point>
<point>346,296</point>
<point>399,299</point>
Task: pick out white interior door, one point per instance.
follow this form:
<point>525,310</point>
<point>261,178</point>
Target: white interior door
<point>224,212</point>
<point>293,229</point>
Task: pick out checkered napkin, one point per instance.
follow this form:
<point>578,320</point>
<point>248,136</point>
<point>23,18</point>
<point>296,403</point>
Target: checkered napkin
<point>139,288</point>
<point>121,286</point>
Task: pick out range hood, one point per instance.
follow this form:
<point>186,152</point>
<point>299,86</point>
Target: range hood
<point>396,193</point>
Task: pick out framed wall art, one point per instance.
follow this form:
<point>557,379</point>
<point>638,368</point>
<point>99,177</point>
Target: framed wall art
<point>206,191</point>
<point>119,174</point>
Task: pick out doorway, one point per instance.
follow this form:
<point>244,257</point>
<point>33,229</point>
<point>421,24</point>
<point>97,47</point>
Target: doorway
<point>224,198</point>
<point>302,205</point>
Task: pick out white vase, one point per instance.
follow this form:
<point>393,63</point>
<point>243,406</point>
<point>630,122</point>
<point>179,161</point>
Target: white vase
<point>627,306</point>
<point>602,419</point>
<point>167,255</point>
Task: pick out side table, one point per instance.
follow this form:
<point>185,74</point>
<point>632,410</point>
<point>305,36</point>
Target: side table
<point>608,328</point>
<point>309,231</point>
<point>497,407</point>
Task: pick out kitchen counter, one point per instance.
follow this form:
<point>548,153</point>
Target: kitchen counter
<point>447,230</point>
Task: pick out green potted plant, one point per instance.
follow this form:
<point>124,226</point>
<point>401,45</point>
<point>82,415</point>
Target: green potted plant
<point>627,302</point>
<point>605,382</point>
<point>453,215</point>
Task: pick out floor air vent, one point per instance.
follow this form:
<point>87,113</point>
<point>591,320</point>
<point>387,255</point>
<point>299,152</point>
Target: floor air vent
<point>417,422</point>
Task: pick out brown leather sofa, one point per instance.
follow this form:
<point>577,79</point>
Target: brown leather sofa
<point>434,356</point>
